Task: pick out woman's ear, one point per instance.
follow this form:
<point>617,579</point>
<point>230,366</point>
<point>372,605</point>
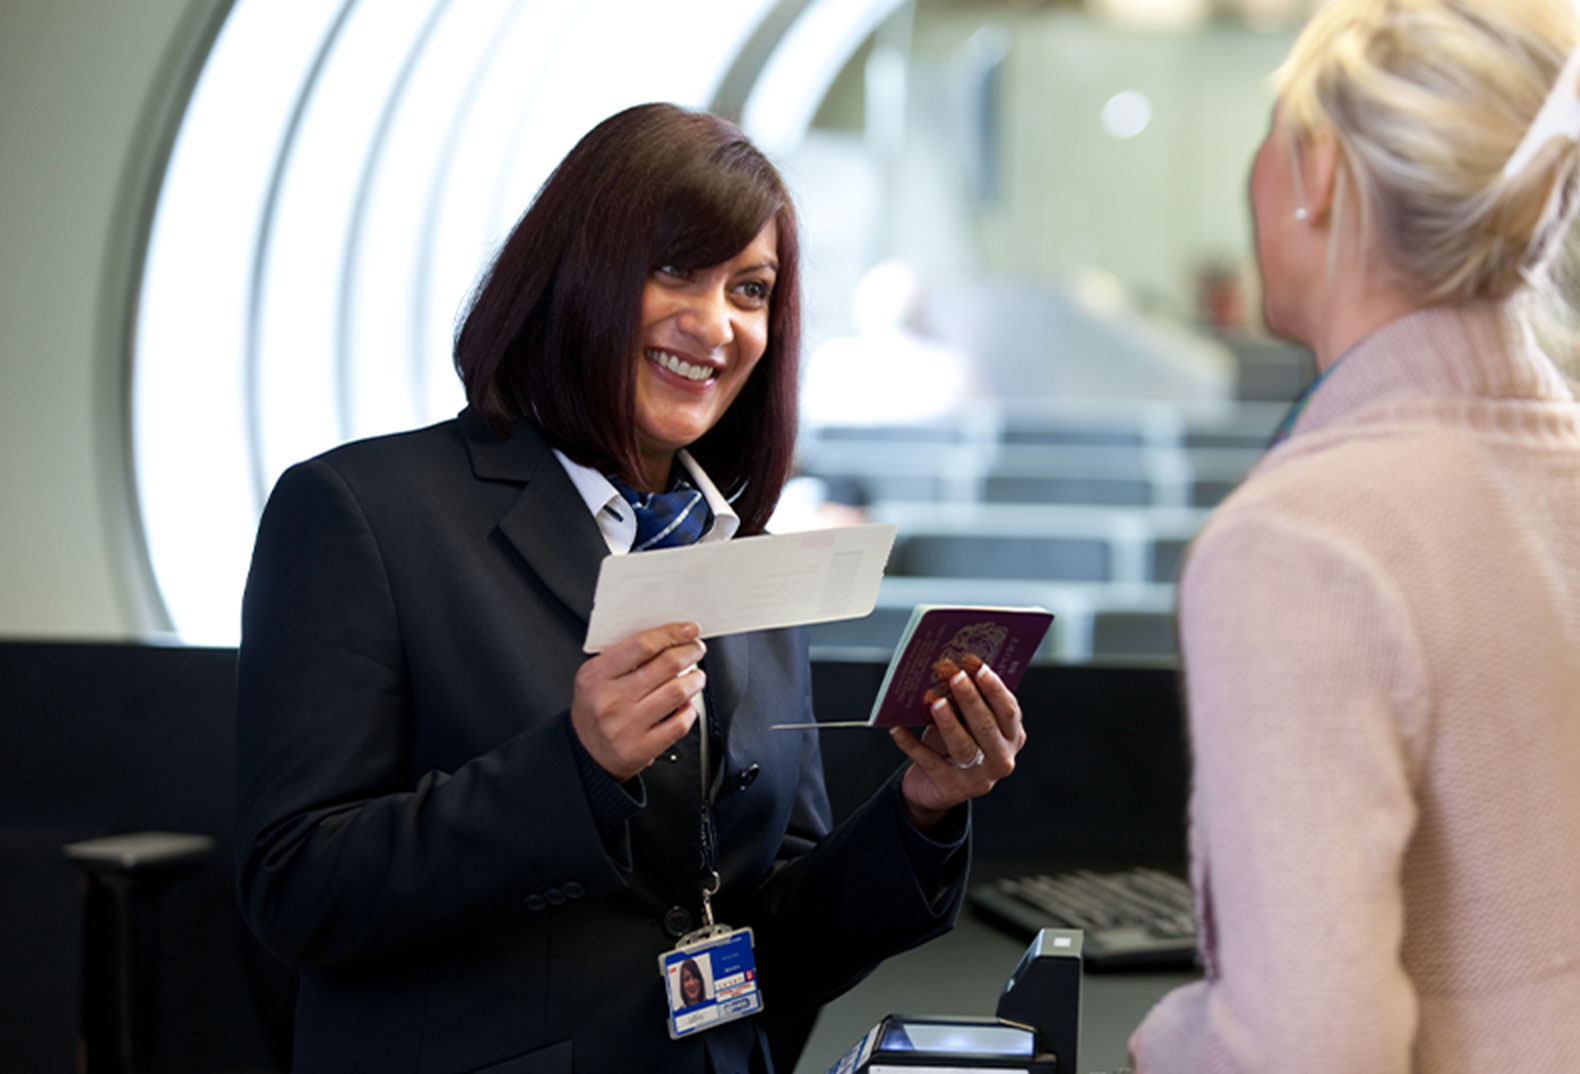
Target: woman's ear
<point>1319,163</point>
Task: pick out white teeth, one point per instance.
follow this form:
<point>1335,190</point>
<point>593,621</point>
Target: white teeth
<point>678,367</point>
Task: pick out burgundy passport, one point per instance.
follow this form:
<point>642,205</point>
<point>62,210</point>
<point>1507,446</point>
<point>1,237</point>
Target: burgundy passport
<point>1005,639</point>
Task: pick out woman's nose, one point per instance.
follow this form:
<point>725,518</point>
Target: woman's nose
<point>706,319</point>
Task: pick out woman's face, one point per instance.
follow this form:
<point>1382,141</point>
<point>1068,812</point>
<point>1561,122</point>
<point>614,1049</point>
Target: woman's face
<point>1283,249</point>
<point>702,333</point>
<point>690,985</point>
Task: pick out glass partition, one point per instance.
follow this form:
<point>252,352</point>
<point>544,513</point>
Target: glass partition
<point>1033,338</point>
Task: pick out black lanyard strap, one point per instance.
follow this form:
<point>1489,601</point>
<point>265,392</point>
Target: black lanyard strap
<point>708,834</point>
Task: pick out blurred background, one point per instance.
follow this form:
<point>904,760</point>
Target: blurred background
<point>235,234</point>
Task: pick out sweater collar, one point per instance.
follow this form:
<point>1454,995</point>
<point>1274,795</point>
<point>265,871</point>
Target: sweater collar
<point>1479,351</point>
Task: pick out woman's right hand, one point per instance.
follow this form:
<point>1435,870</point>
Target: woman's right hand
<point>634,700</point>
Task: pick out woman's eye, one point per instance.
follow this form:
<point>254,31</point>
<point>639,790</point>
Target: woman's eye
<point>756,290</point>
<point>674,272</point>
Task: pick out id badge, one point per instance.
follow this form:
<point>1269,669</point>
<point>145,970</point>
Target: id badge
<point>710,981</point>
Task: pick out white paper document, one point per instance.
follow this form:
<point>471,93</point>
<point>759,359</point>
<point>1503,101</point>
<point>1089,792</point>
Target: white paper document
<point>752,583</point>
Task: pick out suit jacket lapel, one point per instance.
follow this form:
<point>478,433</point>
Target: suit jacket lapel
<point>548,524</point>
<point>728,667</point>
<point>727,672</point>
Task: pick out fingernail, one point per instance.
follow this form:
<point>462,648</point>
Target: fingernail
<point>960,679</point>
<point>985,672</point>
<point>941,705</point>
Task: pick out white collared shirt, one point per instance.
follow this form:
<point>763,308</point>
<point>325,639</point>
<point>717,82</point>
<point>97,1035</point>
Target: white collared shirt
<point>615,517</point>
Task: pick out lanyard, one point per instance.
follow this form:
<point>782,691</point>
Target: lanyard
<point>708,835</point>
<point>1287,426</point>
<point>710,977</point>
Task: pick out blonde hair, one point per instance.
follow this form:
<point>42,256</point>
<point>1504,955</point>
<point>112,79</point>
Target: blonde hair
<point>1427,100</point>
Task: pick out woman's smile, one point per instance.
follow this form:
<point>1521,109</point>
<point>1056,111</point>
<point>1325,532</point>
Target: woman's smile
<point>680,366</point>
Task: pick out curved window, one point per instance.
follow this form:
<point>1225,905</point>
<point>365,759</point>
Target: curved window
<point>342,173</point>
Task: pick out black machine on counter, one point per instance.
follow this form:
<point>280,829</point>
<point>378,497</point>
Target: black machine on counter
<point>1035,1030</point>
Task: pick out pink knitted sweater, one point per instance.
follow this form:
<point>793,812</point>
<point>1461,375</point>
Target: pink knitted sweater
<point>1381,641</point>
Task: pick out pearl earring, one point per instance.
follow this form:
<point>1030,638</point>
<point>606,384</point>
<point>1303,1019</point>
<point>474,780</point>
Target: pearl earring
<point>1301,214</point>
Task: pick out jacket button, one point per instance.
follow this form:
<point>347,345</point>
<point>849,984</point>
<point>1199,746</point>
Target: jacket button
<point>746,778</point>
<point>573,890</point>
<point>555,896</point>
<point>677,921</point>
<point>535,902</point>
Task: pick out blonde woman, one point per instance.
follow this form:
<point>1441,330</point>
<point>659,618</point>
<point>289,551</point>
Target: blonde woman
<point>1381,627</point>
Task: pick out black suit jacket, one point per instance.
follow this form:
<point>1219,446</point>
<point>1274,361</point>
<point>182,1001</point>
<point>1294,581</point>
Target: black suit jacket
<point>414,824</point>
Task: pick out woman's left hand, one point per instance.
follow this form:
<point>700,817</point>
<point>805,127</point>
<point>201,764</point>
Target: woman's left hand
<point>960,757</point>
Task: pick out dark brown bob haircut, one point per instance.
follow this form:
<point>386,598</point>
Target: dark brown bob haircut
<point>552,333</point>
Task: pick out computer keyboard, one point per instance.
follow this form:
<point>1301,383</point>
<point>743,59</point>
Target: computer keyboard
<point>1136,918</point>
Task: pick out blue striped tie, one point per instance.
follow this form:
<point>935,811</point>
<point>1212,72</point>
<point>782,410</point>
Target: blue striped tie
<point>666,519</point>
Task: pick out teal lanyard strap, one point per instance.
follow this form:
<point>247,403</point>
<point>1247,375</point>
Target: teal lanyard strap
<point>1287,425</point>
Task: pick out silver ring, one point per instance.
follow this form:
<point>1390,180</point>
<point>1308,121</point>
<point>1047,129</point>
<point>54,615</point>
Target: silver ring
<point>971,763</point>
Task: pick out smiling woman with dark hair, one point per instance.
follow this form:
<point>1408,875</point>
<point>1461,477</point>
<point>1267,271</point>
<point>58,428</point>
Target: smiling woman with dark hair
<point>551,328</point>
<point>475,841</point>
<point>693,989</point>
